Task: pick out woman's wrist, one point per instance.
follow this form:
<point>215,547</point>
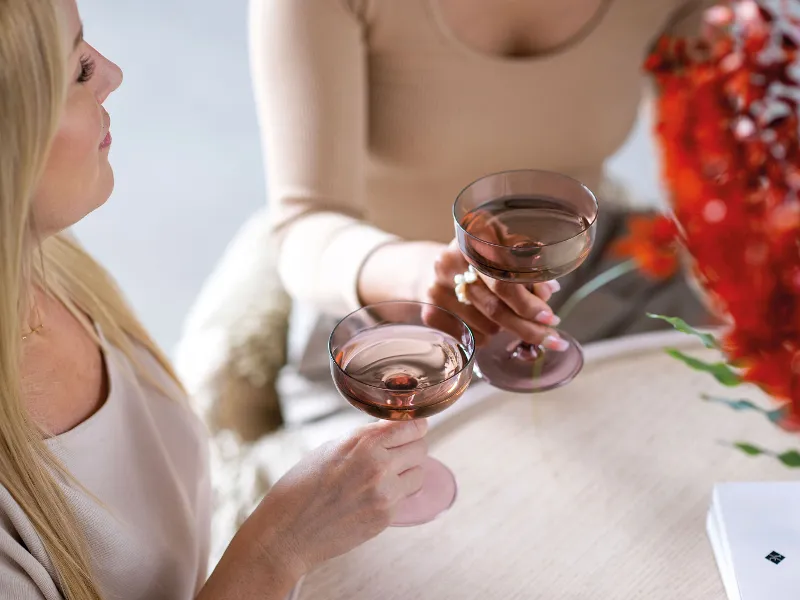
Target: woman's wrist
<point>258,564</point>
<point>398,271</point>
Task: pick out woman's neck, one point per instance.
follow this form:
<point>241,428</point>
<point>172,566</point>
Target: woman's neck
<point>33,311</point>
<point>63,372</point>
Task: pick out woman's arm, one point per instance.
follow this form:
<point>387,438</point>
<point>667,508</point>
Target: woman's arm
<point>309,69</point>
<point>338,497</point>
<point>249,570</point>
<point>309,66</point>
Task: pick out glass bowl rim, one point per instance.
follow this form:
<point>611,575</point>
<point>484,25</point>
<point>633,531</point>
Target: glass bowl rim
<point>537,171</point>
<point>468,364</point>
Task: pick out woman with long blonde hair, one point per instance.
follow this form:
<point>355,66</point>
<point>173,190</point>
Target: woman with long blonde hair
<point>104,488</point>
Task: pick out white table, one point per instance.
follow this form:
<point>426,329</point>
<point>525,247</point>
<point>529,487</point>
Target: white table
<point>595,491</point>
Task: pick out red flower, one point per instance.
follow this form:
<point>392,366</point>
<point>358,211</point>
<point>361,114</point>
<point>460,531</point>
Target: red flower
<point>729,135</point>
<point>651,242</point>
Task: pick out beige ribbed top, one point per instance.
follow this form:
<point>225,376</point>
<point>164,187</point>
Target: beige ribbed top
<point>145,458</point>
<point>375,115</point>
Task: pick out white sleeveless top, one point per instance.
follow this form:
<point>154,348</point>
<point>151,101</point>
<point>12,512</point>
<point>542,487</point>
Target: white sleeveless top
<point>145,458</point>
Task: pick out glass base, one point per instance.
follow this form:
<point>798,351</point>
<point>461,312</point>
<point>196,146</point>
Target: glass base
<point>438,494</point>
<point>503,368</point>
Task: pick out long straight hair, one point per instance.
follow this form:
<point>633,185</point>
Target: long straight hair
<point>33,80</point>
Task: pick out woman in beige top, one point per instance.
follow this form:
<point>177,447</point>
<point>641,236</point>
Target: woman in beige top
<point>104,489</point>
<point>376,113</point>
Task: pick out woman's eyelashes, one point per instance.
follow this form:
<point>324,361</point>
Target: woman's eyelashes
<point>87,69</point>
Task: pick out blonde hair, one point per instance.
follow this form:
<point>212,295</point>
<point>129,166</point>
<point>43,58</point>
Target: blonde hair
<point>33,82</point>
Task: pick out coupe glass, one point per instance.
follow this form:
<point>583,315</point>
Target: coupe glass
<point>401,361</point>
<point>526,227</point>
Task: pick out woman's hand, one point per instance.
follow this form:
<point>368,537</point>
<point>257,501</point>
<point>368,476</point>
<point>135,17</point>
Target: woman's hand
<point>425,272</point>
<point>495,305</point>
<point>337,498</point>
<point>346,493</point>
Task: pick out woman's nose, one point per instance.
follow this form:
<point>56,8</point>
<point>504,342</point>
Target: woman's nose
<point>108,77</point>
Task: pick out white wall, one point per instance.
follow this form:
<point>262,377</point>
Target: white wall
<point>186,150</point>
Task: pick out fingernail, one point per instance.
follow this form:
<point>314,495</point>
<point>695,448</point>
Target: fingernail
<point>547,318</point>
<point>554,285</point>
<point>557,344</point>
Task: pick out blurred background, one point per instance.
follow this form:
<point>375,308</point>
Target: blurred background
<point>186,150</point>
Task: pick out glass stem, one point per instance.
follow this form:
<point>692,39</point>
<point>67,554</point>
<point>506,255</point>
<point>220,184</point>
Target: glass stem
<point>582,292</point>
<point>595,284</point>
<point>538,365</point>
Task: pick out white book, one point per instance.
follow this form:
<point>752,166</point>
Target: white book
<point>754,530</point>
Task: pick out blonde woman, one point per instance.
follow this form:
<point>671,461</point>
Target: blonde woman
<point>104,488</point>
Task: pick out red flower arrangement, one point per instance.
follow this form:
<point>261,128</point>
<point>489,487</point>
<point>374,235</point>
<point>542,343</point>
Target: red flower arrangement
<point>652,244</point>
<point>729,135</point>
<point>728,131</point>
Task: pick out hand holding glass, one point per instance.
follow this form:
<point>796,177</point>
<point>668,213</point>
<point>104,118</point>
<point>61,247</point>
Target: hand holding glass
<point>526,227</point>
<point>400,361</point>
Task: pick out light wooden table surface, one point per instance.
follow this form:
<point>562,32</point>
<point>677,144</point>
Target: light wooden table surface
<point>595,491</point>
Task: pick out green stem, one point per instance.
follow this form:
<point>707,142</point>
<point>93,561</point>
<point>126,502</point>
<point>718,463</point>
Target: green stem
<point>595,284</point>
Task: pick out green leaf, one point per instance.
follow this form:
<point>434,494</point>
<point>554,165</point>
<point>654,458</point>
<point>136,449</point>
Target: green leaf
<point>741,404</point>
<point>791,458</point>
<point>721,371</point>
<point>738,404</point>
<point>709,341</point>
<point>749,449</point>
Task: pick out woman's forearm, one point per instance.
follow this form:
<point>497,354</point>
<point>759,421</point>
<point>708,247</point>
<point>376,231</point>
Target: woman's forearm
<point>252,569</point>
<point>398,271</point>
<point>321,255</point>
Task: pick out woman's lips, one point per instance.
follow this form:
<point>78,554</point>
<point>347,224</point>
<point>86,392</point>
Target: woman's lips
<point>106,124</point>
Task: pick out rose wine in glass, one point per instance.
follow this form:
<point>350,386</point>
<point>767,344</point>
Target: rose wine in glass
<point>401,361</point>
<point>526,227</point>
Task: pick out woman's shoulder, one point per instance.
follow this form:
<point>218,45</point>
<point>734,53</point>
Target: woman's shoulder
<point>360,12</point>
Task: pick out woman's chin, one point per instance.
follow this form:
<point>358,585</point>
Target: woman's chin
<point>99,197</point>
